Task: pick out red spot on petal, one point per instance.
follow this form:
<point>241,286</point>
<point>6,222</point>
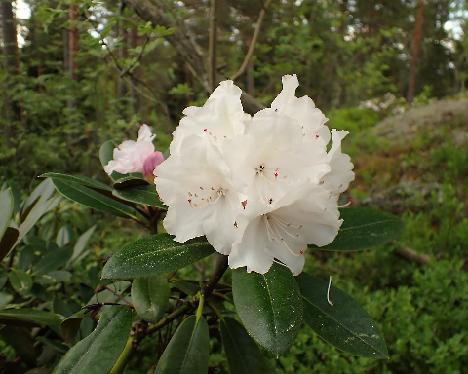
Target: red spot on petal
<point>317,136</point>
<point>244,203</point>
<point>301,252</point>
<point>205,130</point>
<point>189,201</point>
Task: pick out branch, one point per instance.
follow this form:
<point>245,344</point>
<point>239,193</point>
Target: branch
<point>136,61</point>
<point>413,256</point>
<point>221,265</point>
<point>250,52</point>
<point>183,42</point>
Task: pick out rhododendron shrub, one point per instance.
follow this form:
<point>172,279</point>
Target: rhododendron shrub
<point>252,196</point>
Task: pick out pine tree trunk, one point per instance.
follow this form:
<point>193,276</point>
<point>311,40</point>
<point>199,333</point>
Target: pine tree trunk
<point>11,57</point>
<point>415,49</point>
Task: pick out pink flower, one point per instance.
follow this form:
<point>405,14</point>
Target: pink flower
<point>136,156</point>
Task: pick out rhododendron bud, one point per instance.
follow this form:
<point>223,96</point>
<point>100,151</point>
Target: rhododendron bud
<point>136,156</point>
<point>259,188</point>
<point>153,160</point>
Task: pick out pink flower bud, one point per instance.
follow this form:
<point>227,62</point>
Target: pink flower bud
<point>150,163</point>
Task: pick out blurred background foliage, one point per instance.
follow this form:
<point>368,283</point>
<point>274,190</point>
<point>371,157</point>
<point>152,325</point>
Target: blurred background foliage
<point>392,72</point>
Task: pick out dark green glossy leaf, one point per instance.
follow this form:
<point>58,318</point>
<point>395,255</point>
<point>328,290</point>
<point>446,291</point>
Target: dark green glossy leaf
<point>188,350</point>
<point>30,316</point>
<point>243,354</point>
<point>97,353</point>
<point>93,199</point>
<point>7,206</point>
<point>145,195</point>
<point>106,154</point>
<point>150,297</point>
<point>154,255</point>
<point>130,180</point>
<point>79,179</point>
<point>8,240</point>
<point>363,228</point>
<point>344,324</point>
<point>269,306</point>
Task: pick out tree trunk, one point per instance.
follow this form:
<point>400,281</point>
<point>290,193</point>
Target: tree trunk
<point>415,49</point>
<point>11,57</point>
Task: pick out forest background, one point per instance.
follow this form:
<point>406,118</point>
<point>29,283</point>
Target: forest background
<point>392,72</point>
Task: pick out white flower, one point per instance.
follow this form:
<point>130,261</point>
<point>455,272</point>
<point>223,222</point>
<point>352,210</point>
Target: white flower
<point>341,173</point>
<point>306,216</point>
<point>201,197</point>
<point>302,109</point>
<point>260,189</point>
<point>272,158</point>
<point>136,156</point>
<point>221,118</point>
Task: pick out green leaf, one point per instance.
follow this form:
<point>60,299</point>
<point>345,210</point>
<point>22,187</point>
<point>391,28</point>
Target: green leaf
<point>70,326</point>
<point>5,299</point>
<point>243,354</point>
<point>20,281</point>
<point>30,316</point>
<point>344,324</point>
<point>8,240</point>
<point>106,154</point>
<point>37,204</point>
<point>150,297</point>
<point>63,236</point>
<point>269,306</point>
<point>363,228</point>
<point>145,195</point>
<point>81,244</point>
<point>79,179</point>
<point>97,353</point>
<point>44,190</point>
<point>155,255</point>
<point>7,206</point>
<point>93,199</point>
<point>130,180</point>
<point>55,258</point>
<point>188,350</point>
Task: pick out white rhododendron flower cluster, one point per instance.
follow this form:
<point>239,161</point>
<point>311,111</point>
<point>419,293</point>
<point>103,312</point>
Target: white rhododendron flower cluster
<point>136,156</point>
<point>259,188</point>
